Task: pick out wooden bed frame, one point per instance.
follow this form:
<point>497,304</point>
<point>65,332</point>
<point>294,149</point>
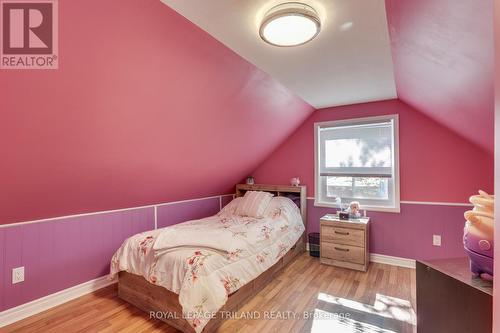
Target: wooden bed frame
<point>149,297</point>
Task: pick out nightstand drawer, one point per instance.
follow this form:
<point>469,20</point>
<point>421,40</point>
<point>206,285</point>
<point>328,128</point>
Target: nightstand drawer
<point>345,236</point>
<point>342,252</point>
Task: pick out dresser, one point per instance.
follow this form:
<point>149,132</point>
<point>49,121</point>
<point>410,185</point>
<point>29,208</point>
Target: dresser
<point>345,243</point>
<point>450,299</point>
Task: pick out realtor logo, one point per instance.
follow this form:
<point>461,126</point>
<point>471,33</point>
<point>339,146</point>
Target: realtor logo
<point>28,34</point>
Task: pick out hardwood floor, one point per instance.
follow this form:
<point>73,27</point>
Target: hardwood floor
<point>305,297</point>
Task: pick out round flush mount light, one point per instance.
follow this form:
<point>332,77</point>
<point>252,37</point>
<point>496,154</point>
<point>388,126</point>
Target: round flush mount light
<point>290,24</point>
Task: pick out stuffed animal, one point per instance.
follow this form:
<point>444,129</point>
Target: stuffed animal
<point>295,181</point>
<point>354,209</point>
<point>478,235</point>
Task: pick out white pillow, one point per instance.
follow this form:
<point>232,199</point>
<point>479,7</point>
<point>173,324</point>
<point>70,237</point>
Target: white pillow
<point>254,204</point>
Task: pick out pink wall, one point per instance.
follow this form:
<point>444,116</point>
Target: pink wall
<point>443,62</point>
<point>434,167</point>
<point>409,233</point>
<point>145,108</point>
<point>435,163</point>
<point>496,285</point>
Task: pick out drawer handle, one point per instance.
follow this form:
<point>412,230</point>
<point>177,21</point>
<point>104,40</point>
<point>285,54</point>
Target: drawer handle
<point>341,249</point>
<point>341,233</point>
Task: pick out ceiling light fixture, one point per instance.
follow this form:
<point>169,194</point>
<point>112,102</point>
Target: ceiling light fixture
<point>290,24</point>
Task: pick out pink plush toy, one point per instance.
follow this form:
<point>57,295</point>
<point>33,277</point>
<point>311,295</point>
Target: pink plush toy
<point>295,181</point>
<point>478,235</point>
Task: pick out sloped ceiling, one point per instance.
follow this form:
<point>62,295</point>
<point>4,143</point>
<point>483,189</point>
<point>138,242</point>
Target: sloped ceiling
<point>444,62</point>
<point>349,62</point>
<point>442,54</point>
<point>145,108</point>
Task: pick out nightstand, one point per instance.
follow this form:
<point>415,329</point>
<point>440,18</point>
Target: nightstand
<point>345,243</point>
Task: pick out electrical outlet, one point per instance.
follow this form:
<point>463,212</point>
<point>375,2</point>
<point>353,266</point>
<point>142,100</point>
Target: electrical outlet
<point>436,240</point>
<point>17,275</point>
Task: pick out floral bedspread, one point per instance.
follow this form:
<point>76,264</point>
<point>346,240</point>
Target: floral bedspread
<point>204,261</point>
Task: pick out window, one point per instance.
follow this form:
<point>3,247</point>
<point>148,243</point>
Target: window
<point>358,159</point>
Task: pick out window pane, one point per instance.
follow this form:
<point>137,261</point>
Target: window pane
<point>358,188</point>
<point>371,188</point>
<point>356,153</point>
<point>339,187</point>
<point>357,160</point>
<point>358,146</point>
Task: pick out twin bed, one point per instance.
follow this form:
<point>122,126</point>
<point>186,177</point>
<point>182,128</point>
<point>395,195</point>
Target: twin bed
<point>189,275</point>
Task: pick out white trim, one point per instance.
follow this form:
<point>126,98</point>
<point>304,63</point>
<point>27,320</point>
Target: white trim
<point>395,200</point>
<point>431,203</point>
<point>73,216</point>
<point>437,203</point>
<point>363,207</point>
<point>156,217</point>
<point>29,309</point>
<point>397,183</point>
<point>390,260</point>
<point>316,166</point>
<point>109,211</point>
<point>190,200</point>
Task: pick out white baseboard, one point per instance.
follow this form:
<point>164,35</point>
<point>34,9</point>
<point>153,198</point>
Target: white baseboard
<point>388,260</point>
<point>10,316</point>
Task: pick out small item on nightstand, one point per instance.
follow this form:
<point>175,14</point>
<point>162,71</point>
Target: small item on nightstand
<point>344,216</point>
<point>250,180</point>
<point>295,181</point>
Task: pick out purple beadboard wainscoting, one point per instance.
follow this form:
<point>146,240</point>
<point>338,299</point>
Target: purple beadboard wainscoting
<point>409,233</point>
<point>2,268</point>
<point>61,253</point>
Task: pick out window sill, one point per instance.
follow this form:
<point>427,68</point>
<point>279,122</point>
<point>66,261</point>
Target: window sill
<point>396,209</point>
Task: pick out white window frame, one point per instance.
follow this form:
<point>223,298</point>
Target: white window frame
<point>395,163</point>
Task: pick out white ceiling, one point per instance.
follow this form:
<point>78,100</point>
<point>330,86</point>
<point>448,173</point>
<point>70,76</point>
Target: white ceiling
<point>349,62</point>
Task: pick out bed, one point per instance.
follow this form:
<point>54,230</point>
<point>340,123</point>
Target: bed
<point>194,274</point>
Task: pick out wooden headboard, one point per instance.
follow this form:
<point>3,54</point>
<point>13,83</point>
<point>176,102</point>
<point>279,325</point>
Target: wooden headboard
<point>299,192</point>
